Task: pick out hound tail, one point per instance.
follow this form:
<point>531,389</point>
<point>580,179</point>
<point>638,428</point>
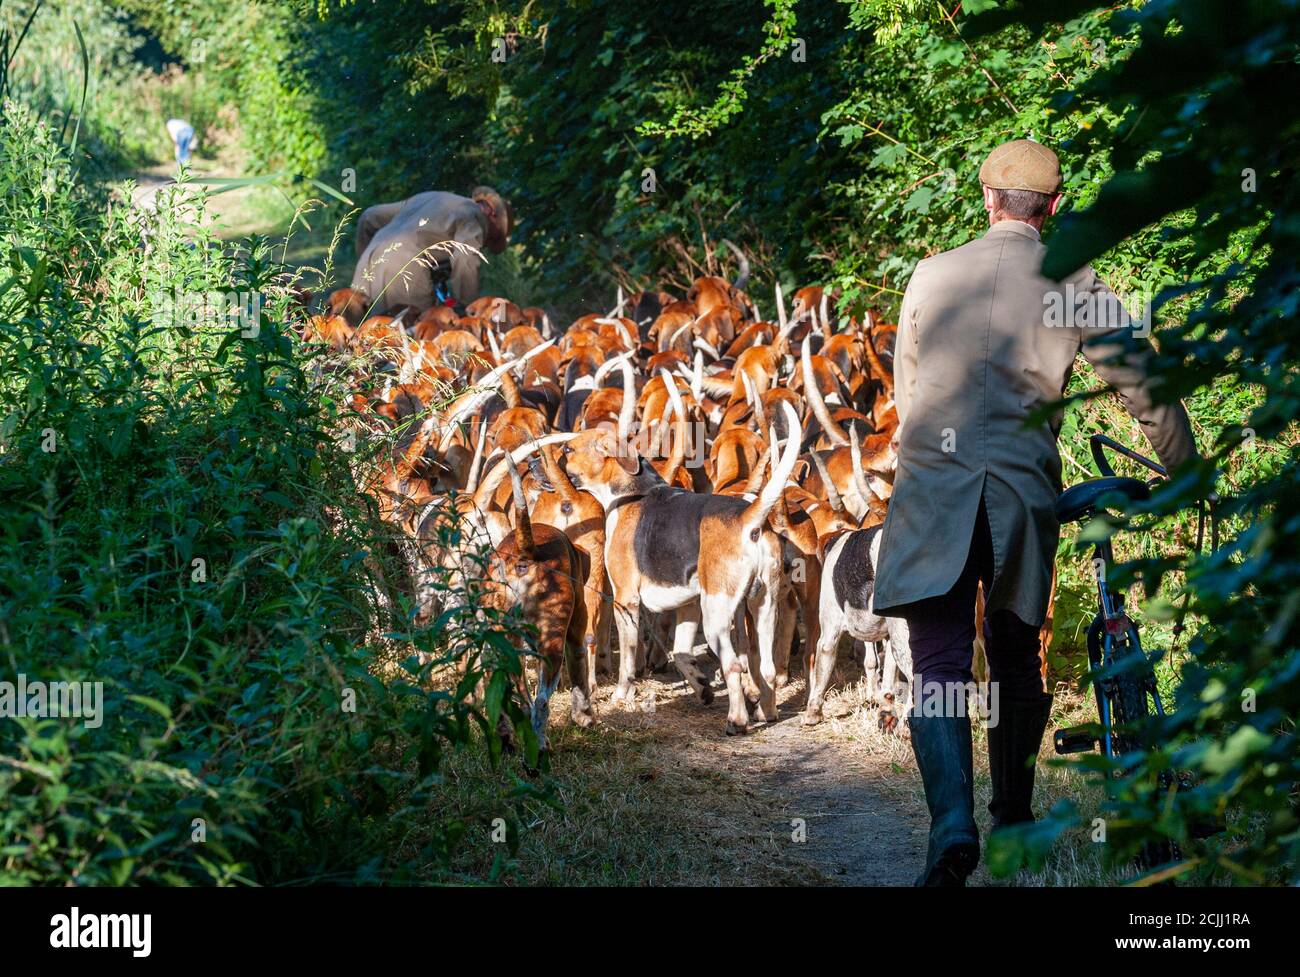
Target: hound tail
<point>523,526</point>
<point>878,368</point>
<point>677,456</point>
<point>813,394</point>
<point>761,507</point>
<point>742,276</point>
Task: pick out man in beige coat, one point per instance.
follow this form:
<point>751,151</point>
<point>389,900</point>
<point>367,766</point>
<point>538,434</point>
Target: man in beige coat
<point>404,248</point>
<point>984,342</point>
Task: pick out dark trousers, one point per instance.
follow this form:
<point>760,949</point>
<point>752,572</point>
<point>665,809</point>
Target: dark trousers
<point>942,631</point>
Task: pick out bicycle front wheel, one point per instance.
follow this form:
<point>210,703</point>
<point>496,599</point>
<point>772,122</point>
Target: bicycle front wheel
<point>1122,702</point>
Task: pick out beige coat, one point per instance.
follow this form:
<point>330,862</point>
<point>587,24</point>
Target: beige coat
<point>397,249</point>
<point>975,357</point>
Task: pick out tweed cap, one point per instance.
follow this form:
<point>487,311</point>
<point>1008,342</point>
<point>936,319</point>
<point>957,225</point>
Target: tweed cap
<point>1022,164</point>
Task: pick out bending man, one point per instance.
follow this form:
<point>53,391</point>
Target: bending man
<point>407,250</point>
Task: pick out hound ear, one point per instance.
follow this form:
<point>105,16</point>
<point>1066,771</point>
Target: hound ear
<point>629,463</point>
<point>624,453</point>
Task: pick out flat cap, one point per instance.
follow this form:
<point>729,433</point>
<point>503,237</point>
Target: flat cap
<point>1022,164</point>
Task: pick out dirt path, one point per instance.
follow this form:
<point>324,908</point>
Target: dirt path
<point>148,182</point>
<point>840,798</point>
<point>837,804</point>
<point>256,209</point>
<point>862,826</point>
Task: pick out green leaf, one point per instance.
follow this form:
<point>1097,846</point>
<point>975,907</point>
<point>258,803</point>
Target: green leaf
<point>919,200</point>
<point>1220,758</point>
<point>325,187</point>
<point>149,703</point>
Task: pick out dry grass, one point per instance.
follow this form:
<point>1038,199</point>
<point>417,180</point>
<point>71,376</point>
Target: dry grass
<point>631,812</point>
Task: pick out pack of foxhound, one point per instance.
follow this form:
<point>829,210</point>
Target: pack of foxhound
<point>682,463</point>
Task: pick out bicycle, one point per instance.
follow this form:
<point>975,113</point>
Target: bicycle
<point>1123,679</point>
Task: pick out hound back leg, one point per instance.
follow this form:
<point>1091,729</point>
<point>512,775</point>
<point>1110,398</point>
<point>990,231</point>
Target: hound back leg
<point>763,609</point>
<point>596,640</point>
<point>819,677</point>
<point>626,619</point>
<point>688,623</point>
<point>786,621</point>
<point>717,611</point>
<point>548,679</point>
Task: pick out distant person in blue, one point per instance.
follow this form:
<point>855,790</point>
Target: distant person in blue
<point>182,134</point>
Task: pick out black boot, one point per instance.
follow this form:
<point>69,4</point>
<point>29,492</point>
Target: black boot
<point>1013,754</point>
<point>943,754</point>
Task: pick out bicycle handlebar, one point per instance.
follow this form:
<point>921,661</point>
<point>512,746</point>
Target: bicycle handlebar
<point>1098,442</point>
